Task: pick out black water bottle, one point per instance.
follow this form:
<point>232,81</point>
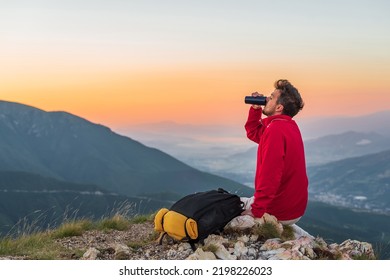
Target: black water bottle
<point>256,100</point>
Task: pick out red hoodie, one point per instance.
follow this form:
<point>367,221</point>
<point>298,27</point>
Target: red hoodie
<point>281,184</point>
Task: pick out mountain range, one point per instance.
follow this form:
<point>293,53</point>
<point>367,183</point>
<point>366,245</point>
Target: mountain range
<point>311,128</point>
<point>377,122</point>
<point>225,150</point>
<point>344,145</point>
<point>360,182</point>
<point>66,147</point>
<point>55,161</point>
<point>241,166</point>
<point>30,202</point>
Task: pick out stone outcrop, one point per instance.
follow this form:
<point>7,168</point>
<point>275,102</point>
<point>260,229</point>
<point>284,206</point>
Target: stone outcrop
<point>245,238</point>
<point>302,246</point>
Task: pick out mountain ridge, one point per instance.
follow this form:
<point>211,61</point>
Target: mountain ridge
<point>371,122</point>
<point>359,182</point>
<point>66,147</point>
<point>31,199</point>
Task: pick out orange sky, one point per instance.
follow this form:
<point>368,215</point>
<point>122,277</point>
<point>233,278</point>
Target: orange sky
<point>190,64</point>
<point>192,94</point>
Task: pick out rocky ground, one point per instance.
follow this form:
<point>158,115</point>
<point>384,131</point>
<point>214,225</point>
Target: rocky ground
<point>138,242</point>
<point>244,238</point>
<point>239,241</point>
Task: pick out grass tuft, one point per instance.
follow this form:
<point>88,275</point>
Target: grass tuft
<point>135,245</point>
<point>266,231</point>
<point>28,240</point>
<point>363,256</point>
<point>140,219</point>
<point>288,233</point>
<point>74,228</point>
<point>117,222</point>
<point>38,246</point>
<point>210,248</point>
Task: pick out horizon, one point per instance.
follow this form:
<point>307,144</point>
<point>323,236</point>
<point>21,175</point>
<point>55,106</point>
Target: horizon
<point>183,124</point>
<point>128,63</point>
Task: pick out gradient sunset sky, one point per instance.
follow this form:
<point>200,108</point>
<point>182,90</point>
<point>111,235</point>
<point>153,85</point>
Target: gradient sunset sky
<point>127,62</point>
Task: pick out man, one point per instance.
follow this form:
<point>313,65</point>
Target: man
<point>281,184</point>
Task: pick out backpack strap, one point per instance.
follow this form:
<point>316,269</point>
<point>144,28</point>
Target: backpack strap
<point>221,190</point>
<point>192,244</point>
<point>160,238</point>
<point>185,229</point>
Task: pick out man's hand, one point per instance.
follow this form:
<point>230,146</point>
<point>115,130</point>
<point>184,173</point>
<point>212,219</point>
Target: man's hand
<point>254,94</point>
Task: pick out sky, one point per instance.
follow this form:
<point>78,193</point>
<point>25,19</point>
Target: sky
<point>125,62</point>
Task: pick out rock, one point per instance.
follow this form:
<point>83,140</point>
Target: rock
<point>215,240</point>
<point>241,222</point>
<point>237,244</point>
<point>270,220</point>
<point>240,249</point>
<point>91,254</point>
<point>304,242</point>
<point>305,247</point>
<point>122,251</point>
<point>224,254</point>
<point>272,253</point>
<point>320,243</point>
<point>121,248</point>
<point>183,247</point>
<point>199,254</point>
<point>357,249</point>
<point>243,238</point>
<point>252,253</point>
<point>298,232</point>
<point>271,244</point>
<point>292,255</point>
<point>254,238</point>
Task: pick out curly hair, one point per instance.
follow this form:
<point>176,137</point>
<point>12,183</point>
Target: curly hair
<point>289,97</point>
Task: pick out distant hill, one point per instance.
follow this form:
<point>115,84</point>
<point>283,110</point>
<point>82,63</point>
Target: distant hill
<point>345,145</point>
<point>360,182</point>
<point>39,202</point>
<point>66,147</point>
<point>378,122</point>
<point>322,150</point>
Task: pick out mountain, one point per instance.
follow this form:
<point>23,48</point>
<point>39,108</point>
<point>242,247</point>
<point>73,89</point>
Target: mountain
<point>224,149</point>
<point>66,147</point>
<point>360,182</point>
<point>240,166</point>
<point>345,145</point>
<point>199,146</point>
<point>38,202</point>
<point>376,122</point>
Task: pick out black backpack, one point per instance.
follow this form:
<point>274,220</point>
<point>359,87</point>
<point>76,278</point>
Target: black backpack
<point>195,216</point>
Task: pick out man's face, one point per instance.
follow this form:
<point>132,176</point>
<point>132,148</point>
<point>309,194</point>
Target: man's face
<point>272,108</point>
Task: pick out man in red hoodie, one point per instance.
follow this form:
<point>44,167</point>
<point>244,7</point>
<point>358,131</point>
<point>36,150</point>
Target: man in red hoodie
<point>281,184</point>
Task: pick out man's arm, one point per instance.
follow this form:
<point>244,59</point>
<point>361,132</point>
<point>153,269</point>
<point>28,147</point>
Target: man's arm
<point>253,125</point>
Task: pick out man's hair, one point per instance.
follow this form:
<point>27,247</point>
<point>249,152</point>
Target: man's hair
<point>289,97</point>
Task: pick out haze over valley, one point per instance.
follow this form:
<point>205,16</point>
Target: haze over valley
<point>225,150</point>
